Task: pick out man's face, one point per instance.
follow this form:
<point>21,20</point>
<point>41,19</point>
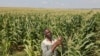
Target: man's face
<point>48,33</point>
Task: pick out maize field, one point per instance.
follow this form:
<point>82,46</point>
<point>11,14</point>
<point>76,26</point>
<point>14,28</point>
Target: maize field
<point>21,31</point>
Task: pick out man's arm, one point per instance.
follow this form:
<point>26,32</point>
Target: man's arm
<point>57,43</point>
<point>49,52</point>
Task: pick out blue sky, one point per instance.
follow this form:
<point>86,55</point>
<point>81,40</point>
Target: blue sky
<point>51,3</point>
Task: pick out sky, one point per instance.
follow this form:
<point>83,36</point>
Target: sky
<point>51,3</point>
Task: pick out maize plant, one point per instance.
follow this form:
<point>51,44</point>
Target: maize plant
<point>21,30</point>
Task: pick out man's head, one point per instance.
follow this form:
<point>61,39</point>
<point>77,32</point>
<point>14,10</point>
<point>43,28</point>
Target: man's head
<point>47,33</point>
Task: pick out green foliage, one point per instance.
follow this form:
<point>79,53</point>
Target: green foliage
<point>80,31</point>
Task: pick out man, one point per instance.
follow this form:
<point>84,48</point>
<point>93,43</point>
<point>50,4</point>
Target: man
<point>49,45</point>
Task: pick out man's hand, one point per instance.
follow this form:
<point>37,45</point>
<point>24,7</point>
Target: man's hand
<point>59,41</point>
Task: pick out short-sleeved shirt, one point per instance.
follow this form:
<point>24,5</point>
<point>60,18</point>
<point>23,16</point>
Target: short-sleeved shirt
<point>46,48</point>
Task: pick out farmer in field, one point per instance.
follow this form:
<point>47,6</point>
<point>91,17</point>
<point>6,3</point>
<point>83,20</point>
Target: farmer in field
<point>49,45</point>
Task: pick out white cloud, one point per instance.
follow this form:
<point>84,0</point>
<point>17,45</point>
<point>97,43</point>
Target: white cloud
<point>56,2</point>
<point>44,2</point>
<point>92,1</point>
<point>62,4</point>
